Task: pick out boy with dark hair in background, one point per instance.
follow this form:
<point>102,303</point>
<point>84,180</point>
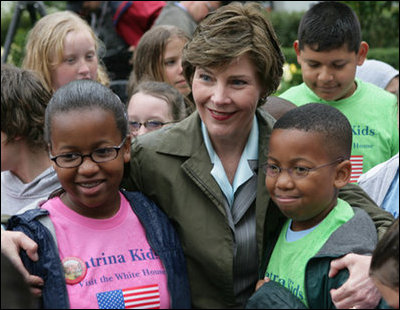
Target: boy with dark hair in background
<point>329,49</point>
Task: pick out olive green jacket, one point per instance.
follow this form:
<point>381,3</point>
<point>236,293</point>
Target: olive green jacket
<point>172,167</point>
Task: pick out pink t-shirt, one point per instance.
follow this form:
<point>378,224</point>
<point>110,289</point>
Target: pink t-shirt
<point>118,267</point>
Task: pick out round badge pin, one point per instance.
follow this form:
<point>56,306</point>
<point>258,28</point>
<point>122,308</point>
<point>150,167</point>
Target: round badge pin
<point>74,269</point>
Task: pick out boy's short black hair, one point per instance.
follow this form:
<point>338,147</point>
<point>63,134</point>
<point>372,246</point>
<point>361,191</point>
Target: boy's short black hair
<point>329,25</point>
<point>323,119</point>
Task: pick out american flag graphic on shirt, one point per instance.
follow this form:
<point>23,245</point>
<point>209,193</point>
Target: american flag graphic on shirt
<point>140,297</point>
<point>356,167</point>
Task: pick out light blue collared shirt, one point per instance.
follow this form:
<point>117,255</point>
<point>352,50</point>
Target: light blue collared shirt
<point>243,172</point>
<point>391,201</point>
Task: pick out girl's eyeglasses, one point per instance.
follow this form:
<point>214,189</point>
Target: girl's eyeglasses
<point>150,125</point>
<point>101,155</point>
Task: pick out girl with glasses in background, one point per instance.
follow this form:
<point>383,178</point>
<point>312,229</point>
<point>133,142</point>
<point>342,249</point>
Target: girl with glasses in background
<point>153,105</point>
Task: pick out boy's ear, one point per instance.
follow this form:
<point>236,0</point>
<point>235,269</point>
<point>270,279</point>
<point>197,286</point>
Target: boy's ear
<point>362,53</point>
<point>297,50</point>
<point>343,173</point>
<point>296,47</point>
<point>127,149</point>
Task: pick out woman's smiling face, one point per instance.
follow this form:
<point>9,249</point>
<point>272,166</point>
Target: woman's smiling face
<point>227,97</point>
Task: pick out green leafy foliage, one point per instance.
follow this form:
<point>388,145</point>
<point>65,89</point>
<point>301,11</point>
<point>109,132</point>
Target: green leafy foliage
<point>388,55</point>
<point>379,21</point>
<point>17,51</point>
<point>285,25</point>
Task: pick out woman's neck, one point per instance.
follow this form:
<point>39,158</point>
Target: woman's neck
<point>230,153</point>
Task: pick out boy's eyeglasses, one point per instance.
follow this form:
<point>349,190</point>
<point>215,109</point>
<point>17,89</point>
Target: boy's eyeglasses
<point>73,160</point>
<point>150,125</point>
<point>297,172</point>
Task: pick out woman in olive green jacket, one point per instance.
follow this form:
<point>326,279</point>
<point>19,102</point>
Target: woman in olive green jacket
<point>206,171</point>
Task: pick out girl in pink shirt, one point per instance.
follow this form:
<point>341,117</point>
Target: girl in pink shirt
<point>111,257</point>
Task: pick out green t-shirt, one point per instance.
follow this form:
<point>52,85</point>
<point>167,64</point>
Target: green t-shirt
<point>372,115</point>
<point>288,261</point>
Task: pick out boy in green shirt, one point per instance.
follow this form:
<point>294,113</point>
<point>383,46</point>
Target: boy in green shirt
<point>329,49</point>
<point>308,162</point>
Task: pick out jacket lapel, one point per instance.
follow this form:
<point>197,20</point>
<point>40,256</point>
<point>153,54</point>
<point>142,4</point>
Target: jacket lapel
<point>189,143</point>
<point>265,124</point>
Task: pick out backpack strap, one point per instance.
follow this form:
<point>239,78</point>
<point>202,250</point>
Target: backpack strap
<point>46,222</point>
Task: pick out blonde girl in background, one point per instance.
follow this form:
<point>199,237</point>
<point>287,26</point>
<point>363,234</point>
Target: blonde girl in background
<point>62,47</point>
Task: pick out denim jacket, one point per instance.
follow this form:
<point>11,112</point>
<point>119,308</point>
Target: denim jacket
<point>160,235</point>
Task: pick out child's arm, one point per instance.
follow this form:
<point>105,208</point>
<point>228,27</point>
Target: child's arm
<point>11,243</point>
